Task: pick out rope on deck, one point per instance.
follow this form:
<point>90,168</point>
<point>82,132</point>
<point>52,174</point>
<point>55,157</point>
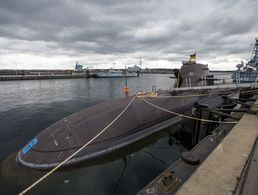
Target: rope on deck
<point>155,95</point>
<point>185,116</point>
<point>77,151</point>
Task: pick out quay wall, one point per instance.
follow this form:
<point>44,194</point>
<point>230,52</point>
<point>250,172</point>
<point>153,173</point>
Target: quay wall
<point>10,75</point>
<point>39,77</point>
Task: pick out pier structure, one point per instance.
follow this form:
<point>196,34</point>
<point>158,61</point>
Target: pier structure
<point>221,172</point>
<point>11,75</point>
<point>224,162</point>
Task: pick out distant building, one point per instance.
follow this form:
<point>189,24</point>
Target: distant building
<point>135,68</point>
<point>78,67</point>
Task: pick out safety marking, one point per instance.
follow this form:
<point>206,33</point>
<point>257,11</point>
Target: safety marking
<point>30,145</point>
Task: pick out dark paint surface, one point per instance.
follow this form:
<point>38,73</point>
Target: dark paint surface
<point>27,107</point>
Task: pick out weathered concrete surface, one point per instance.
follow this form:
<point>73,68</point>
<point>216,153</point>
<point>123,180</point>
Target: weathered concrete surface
<point>220,172</point>
<point>254,109</point>
<point>250,178</point>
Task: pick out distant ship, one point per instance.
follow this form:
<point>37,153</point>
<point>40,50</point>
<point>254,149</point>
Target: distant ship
<point>248,73</point>
<point>112,73</point>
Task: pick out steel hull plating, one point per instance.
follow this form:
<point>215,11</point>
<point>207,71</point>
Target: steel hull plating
<point>57,142</point>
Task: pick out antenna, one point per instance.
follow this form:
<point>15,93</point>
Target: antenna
<point>252,51</point>
<point>126,90</point>
<point>140,62</point>
<point>125,76</point>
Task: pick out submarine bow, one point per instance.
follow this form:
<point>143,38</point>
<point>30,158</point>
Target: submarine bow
<point>60,140</point>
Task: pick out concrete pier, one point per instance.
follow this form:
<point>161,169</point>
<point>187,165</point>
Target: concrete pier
<point>220,173</point>
<point>14,75</point>
<point>39,77</point>
<point>224,162</point>
<point>254,109</point>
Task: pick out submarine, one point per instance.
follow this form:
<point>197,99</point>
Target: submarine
<point>60,140</point>
<point>57,142</point>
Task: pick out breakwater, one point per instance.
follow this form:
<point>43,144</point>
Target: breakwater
<point>10,75</point>
<point>39,77</point>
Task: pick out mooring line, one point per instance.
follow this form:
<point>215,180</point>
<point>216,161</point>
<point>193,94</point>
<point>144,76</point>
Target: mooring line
<point>121,176</point>
<point>185,116</point>
<point>248,91</point>
<point>172,96</point>
<point>154,95</point>
<point>76,152</point>
<point>155,157</point>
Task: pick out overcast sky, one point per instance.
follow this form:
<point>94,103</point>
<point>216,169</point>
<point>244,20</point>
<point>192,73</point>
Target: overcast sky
<point>106,33</point>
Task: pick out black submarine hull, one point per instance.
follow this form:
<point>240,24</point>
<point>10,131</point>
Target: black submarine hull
<point>57,142</point>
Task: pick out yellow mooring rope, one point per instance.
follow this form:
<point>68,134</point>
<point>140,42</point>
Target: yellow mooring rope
<point>76,152</point>
<point>185,116</point>
<point>171,96</point>
<point>248,91</point>
<point>154,95</point>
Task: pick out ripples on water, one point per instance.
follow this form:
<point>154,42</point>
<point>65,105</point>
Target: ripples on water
<point>27,107</point>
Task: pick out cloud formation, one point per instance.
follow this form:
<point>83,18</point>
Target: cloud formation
<point>56,33</point>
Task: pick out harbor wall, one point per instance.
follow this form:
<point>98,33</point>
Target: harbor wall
<point>10,75</point>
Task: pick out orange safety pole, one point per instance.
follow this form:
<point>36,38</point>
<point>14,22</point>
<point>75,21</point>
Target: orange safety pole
<point>126,90</point>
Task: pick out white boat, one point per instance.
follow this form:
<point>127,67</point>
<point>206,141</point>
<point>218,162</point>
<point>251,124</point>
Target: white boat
<point>112,73</point>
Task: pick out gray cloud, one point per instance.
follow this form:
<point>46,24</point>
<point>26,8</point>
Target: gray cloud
<point>154,30</point>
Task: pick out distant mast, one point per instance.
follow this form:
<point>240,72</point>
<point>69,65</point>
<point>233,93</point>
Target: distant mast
<point>254,56</point>
<point>78,67</point>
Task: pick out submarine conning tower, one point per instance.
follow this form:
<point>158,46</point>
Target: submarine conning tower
<point>193,73</point>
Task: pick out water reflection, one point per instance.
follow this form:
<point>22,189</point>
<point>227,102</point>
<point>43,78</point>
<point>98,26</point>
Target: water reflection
<point>27,107</point>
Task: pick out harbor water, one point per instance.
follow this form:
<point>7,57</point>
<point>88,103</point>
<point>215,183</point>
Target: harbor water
<point>27,107</point>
